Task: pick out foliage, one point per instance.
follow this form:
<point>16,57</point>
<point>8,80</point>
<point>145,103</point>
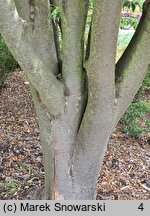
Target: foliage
<point>127,22</point>
<point>132,4</point>
<point>131,13</point>
<point>146,82</point>
<point>10,186</point>
<point>91,3</point>
<point>55,13</point>
<point>135,120</point>
<point>7,61</point>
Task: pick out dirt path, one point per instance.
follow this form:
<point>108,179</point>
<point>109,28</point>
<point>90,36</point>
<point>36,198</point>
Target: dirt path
<point>126,169</point>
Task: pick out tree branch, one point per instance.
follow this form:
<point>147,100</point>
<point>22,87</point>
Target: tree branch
<point>132,66</point>
<point>73,25</point>
<point>101,65</point>
<point>104,34</point>
<point>37,16</point>
<point>96,124</point>
<point>31,50</point>
<point>23,8</point>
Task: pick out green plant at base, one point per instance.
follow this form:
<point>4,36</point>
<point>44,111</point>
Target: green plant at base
<point>10,186</point>
<point>7,61</point>
<point>135,119</point>
<point>146,82</point>
<point>145,86</point>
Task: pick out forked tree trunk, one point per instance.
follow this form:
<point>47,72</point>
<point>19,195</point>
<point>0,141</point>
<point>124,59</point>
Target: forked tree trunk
<point>71,171</point>
<point>79,103</point>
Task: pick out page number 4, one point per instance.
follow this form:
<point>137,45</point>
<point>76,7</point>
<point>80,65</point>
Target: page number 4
<point>141,207</point>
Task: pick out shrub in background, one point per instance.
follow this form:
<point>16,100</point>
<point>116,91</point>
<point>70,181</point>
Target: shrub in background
<point>7,61</point>
<point>131,13</point>
<point>136,119</point>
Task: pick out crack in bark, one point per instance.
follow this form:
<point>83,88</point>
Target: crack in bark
<point>32,12</point>
<point>56,28</point>
<point>54,179</point>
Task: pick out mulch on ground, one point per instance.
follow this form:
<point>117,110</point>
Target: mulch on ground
<point>126,169</point>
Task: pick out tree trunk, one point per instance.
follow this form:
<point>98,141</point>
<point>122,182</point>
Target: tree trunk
<point>65,178</point>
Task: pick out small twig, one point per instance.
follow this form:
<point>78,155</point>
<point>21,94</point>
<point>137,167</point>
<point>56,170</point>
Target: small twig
<point>123,188</point>
<point>145,187</point>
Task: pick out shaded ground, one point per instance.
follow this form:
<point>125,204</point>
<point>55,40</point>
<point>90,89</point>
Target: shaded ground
<point>126,169</point>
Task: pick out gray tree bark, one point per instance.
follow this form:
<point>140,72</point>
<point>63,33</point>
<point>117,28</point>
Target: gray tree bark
<point>77,110</point>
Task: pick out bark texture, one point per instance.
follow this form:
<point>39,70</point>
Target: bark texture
<point>78,104</point>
